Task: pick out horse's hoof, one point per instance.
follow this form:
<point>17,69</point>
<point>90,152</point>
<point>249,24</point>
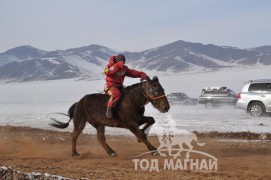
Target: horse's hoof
<point>143,132</point>
<point>75,154</point>
<point>113,154</point>
<point>155,153</point>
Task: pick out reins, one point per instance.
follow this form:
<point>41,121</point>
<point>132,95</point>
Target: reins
<point>148,95</point>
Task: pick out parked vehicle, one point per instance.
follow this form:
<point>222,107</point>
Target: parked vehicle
<point>181,98</point>
<point>214,96</point>
<point>255,97</point>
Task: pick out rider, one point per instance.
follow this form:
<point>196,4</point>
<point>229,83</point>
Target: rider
<point>115,73</point>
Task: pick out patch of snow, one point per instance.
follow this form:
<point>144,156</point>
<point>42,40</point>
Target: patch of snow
<point>86,67</point>
<point>178,58</point>
<point>151,50</point>
<point>52,60</point>
<point>238,61</point>
<point>192,67</point>
<point>102,61</point>
<point>69,71</point>
<point>34,103</point>
<point>219,62</point>
<point>107,51</point>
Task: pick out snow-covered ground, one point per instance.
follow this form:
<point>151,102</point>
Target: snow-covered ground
<point>33,103</point>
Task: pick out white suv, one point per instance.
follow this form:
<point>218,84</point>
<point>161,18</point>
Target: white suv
<point>255,97</point>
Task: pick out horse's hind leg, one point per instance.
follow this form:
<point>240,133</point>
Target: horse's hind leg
<point>79,124</point>
<point>101,139</point>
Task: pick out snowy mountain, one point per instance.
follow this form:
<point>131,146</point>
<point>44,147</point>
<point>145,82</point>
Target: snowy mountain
<point>262,49</point>
<point>37,69</point>
<point>25,52</point>
<point>186,56</point>
<point>20,53</point>
<point>26,63</point>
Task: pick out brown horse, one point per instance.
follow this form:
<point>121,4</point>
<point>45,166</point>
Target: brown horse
<point>129,113</point>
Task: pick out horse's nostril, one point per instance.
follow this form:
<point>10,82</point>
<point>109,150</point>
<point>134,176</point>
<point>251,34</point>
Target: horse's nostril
<point>166,108</point>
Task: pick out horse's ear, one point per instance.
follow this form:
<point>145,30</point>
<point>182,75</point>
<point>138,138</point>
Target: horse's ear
<point>146,79</point>
<point>155,79</point>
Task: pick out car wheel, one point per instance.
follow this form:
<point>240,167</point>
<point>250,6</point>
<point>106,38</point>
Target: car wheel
<point>257,109</point>
<point>208,105</point>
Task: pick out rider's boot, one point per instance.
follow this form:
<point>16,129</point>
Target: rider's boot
<point>109,113</point>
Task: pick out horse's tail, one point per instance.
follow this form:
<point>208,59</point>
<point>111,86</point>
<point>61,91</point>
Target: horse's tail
<point>72,109</point>
<point>62,125</point>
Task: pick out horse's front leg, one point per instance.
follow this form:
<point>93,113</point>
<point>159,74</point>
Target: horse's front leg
<point>101,139</point>
<point>134,128</point>
<point>149,121</point>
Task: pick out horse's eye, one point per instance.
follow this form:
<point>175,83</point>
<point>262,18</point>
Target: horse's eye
<point>156,91</point>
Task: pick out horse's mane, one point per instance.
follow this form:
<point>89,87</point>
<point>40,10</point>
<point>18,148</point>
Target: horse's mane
<point>132,86</point>
<point>128,88</point>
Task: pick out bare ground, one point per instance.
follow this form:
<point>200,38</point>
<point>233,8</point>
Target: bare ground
<point>26,149</point>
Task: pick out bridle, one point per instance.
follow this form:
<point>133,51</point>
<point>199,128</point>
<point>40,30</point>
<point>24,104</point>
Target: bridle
<point>147,95</point>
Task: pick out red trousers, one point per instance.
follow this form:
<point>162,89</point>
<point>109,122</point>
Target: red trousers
<point>115,96</point>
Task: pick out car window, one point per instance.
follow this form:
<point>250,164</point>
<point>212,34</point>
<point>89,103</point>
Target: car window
<point>177,97</point>
<point>223,92</point>
<point>209,92</point>
<point>181,96</point>
<point>173,96</point>
<point>268,87</point>
<point>232,93</point>
<point>215,92</point>
<point>256,87</point>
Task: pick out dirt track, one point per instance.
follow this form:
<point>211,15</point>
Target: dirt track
<point>29,150</point>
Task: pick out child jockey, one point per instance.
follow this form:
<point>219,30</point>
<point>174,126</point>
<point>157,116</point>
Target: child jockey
<point>115,73</point>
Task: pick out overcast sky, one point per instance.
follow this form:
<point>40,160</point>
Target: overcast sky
<point>133,25</point>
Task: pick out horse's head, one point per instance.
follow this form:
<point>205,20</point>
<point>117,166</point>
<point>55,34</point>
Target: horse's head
<point>155,93</point>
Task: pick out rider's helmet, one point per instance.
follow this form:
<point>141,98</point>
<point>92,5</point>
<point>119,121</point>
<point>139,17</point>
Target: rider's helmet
<point>120,57</point>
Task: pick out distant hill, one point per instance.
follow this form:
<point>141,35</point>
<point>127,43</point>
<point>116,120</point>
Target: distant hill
<point>187,56</point>
<point>262,49</point>
<point>27,63</point>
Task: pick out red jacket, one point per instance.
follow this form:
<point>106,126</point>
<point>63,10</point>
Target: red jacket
<point>116,72</point>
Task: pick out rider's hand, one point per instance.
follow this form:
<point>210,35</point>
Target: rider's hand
<point>144,78</point>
